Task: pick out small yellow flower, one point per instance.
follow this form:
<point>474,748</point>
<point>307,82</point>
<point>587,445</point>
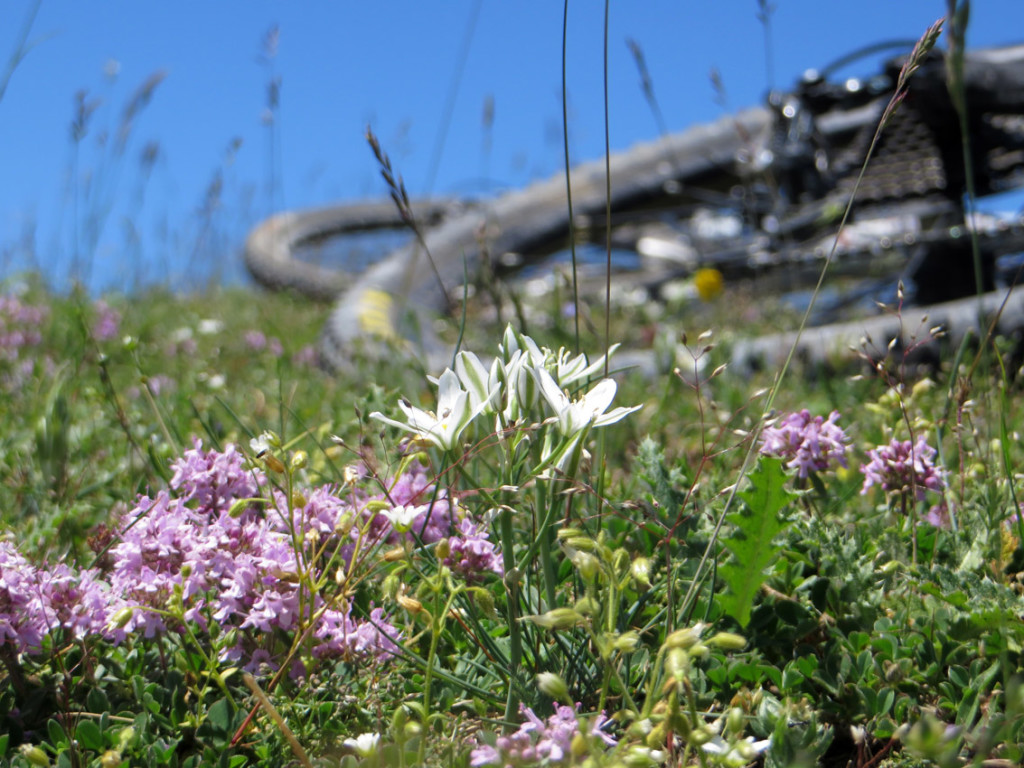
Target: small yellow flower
<point>709,283</point>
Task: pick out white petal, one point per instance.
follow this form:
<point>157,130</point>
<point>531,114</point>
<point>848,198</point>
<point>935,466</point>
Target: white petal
<point>600,397</point>
<point>449,388</point>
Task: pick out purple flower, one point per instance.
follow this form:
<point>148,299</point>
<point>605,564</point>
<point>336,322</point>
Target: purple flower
<point>414,490</point>
<point>78,602</point>
<point>346,638</point>
<point>257,341</point>
<point>24,619</point>
<point>214,479</point>
<point>107,323</point>
<point>471,554</point>
<point>939,517</point>
<point>191,555</point>
<point>20,330</point>
<point>809,444</point>
<point>306,356</point>
<point>538,741</point>
<point>19,326</point>
<point>903,467</point>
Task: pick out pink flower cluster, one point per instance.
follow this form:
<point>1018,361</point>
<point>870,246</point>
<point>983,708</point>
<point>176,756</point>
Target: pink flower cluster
<point>237,567</point>
<point>107,322</point>
<point>471,554</point>
<point>904,467</point>
<point>809,444</point>
<point>539,742</point>
<point>200,552</point>
<point>257,341</point>
<point>35,602</point>
<point>20,326</point>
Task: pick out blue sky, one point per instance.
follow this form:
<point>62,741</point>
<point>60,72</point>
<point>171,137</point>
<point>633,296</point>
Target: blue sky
<point>342,65</point>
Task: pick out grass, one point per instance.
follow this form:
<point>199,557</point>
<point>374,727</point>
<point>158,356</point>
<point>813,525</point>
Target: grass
<point>215,554</point>
<point>833,625</point>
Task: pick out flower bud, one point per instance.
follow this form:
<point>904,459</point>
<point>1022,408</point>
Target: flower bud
<point>656,738</point>
<point>299,460</point>
<point>640,570</point>
<point>701,735</point>
<point>485,600</point>
<point>411,604</point>
<point>627,641</point>
<point>581,543</point>
<point>238,506</point>
<point>570,533</point>
<point>734,720</point>
<point>443,549</point>
<point>389,587</point>
<point>677,664</point>
<point>578,747</point>
<point>588,606</point>
<point>35,755</point>
<point>344,524</point>
<point>685,638</point>
<point>587,565</point>
<point>121,617</point>
<point>298,500</point>
<point>273,463</point>
<point>553,685</point>
<point>727,641</point>
<point>558,618</point>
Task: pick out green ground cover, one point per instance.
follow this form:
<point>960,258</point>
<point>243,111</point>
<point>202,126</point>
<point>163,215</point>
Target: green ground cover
<point>215,553</point>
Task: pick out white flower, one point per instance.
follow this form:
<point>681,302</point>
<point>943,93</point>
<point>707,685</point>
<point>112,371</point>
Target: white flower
<point>520,355</point>
<point>402,517</point>
<point>181,334</point>
<point>484,386</point>
<point>364,745</point>
<point>574,416</point>
<point>739,754</point>
<point>568,371</point>
<point>262,444</point>
<point>209,327</point>
<point>455,412</point>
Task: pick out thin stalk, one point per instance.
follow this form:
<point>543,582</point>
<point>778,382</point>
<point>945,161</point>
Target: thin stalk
<point>568,182</point>
<point>512,612</point>
<point>545,535</point>
<point>608,200</point>
<point>449,102</point>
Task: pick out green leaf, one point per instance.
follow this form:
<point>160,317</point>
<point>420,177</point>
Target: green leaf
<point>220,715</point>
<point>754,528</point>
<point>58,739</point>
<point>97,701</point>
<point>89,735</point>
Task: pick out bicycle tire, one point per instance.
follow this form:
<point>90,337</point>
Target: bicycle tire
<point>381,300</point>
<point>270,248</point>
<point>398,298</point>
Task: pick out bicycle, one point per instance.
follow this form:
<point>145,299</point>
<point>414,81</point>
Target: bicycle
<point>753,194</point>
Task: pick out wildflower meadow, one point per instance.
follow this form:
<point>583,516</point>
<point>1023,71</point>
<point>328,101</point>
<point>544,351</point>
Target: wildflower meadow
<point>217,554</point>
<point>214,552</point>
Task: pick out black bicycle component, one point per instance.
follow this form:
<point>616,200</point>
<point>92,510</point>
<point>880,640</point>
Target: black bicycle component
<point>748,194</point>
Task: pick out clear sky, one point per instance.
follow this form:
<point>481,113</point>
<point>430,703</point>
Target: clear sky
<point>141,204</point>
